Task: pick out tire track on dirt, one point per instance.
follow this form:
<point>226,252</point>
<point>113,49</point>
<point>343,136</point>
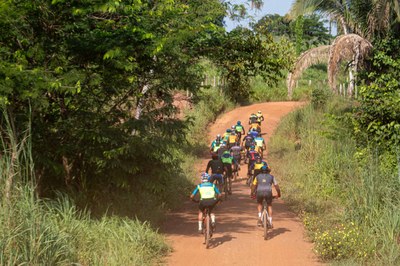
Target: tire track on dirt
<point>237,240</point>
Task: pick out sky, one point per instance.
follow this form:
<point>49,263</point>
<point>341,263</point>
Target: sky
<point>280,7</point>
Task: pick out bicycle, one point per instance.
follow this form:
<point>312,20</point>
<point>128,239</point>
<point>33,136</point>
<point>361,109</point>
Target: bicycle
<point>265,219</point>
<point>206,225</point>
<point>227,186</point>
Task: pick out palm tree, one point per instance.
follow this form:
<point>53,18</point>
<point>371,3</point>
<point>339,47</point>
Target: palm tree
<point>335,9</point>
<point>367,18</point>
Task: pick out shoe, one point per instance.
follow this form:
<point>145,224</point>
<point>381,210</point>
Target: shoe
<point>259,222</point>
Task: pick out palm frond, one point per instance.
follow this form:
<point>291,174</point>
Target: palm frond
<point>346,48</point>
<point>310,57</point>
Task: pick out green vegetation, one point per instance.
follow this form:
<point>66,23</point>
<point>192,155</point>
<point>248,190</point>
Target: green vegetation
<point>347,195</point>
<point>313,78</point>
<point>55,232</point>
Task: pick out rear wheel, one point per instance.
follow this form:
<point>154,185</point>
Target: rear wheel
<point>207,231</point>
<point>265,223</point>
<point>226,188</point>
<point>229,179</point>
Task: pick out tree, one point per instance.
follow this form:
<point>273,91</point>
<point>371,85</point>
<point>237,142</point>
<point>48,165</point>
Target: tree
<point>82,66</point>
<point>377,118</point>
<point>367,18</point>
<point>310,27</point>
<point>243,53</point>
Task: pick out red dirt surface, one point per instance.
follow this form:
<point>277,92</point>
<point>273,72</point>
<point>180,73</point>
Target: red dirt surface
<point>238,240</point>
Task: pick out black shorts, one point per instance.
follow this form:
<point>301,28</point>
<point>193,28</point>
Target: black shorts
<point>267,195</point>
<point>217,177</point>
<point>229,169</point>
<point>207,203</point>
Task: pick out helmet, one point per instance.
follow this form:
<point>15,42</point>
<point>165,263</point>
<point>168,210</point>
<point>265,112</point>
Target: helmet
<point>233,127</point>
<point>248,134</point>
<point>264,168</point>
<point>259,112</point>
<point>218,136</point>
<point>204,177</point>
<point>252,148</point>
<point>214,156</point>
<point>239,123</point>
<point>229,130</point>
<point>259,160</point>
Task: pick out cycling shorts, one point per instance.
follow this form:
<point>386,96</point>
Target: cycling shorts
<point>267,195</point>
<point>210,203</point>
<point>218,177</point>
<point>229,169</point>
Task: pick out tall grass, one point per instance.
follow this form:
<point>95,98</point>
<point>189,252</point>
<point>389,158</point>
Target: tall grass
<point>313,78</point>
<point>349,197</point>
<point>54,232</point>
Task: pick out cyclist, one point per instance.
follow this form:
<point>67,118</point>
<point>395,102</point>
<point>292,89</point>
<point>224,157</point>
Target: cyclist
<point>239,129</point>
<point>216,146</point>
<point>217,170</point>
<point>226,135</point>
<point>252,156</point>
<point>253,119</point>
<point>248,141</point>
<point>222,149</point>
<point>260,117</point>
<point>260,144</point>
<point>209,195</point>
<point>258,164</point>
<point>227,159</point>
<point>232,138</point>
<point>262,188</point>
<point>215,141</point>
<point>254,133</point>
<point>236,150</point>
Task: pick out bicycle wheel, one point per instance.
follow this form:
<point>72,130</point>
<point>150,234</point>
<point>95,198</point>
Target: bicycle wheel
<point>207,231</point>
<point>229,185</point>
<point>265,223</point>
<point>226,187</point>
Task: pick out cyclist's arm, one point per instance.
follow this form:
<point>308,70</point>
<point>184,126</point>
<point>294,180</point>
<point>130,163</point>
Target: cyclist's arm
<point>278,190</point>
<point>208,167</point>
<point>195,191</point>
<point>254,186</point>
<point>217,191</point>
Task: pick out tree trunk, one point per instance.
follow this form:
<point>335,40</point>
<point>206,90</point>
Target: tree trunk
<point>140,101</point>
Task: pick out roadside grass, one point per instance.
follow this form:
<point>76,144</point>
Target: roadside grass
<point>348,198</point>
<point>55,232</point>
<point>312,78</point>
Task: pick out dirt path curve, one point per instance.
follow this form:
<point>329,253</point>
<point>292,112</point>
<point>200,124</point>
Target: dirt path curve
<point>237,240</point>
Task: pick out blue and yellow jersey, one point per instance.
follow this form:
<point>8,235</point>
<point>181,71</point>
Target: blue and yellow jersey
<point>206,190</point>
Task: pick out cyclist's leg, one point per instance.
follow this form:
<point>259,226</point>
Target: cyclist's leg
<point>268,198</point>
<point>259,198</point>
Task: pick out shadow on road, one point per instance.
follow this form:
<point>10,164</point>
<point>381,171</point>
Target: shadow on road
<point>215,242</point>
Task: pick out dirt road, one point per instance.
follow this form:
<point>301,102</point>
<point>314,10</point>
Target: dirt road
<point>237,240</point>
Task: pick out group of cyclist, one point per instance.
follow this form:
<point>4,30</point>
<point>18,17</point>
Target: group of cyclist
<point>227,152</point>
